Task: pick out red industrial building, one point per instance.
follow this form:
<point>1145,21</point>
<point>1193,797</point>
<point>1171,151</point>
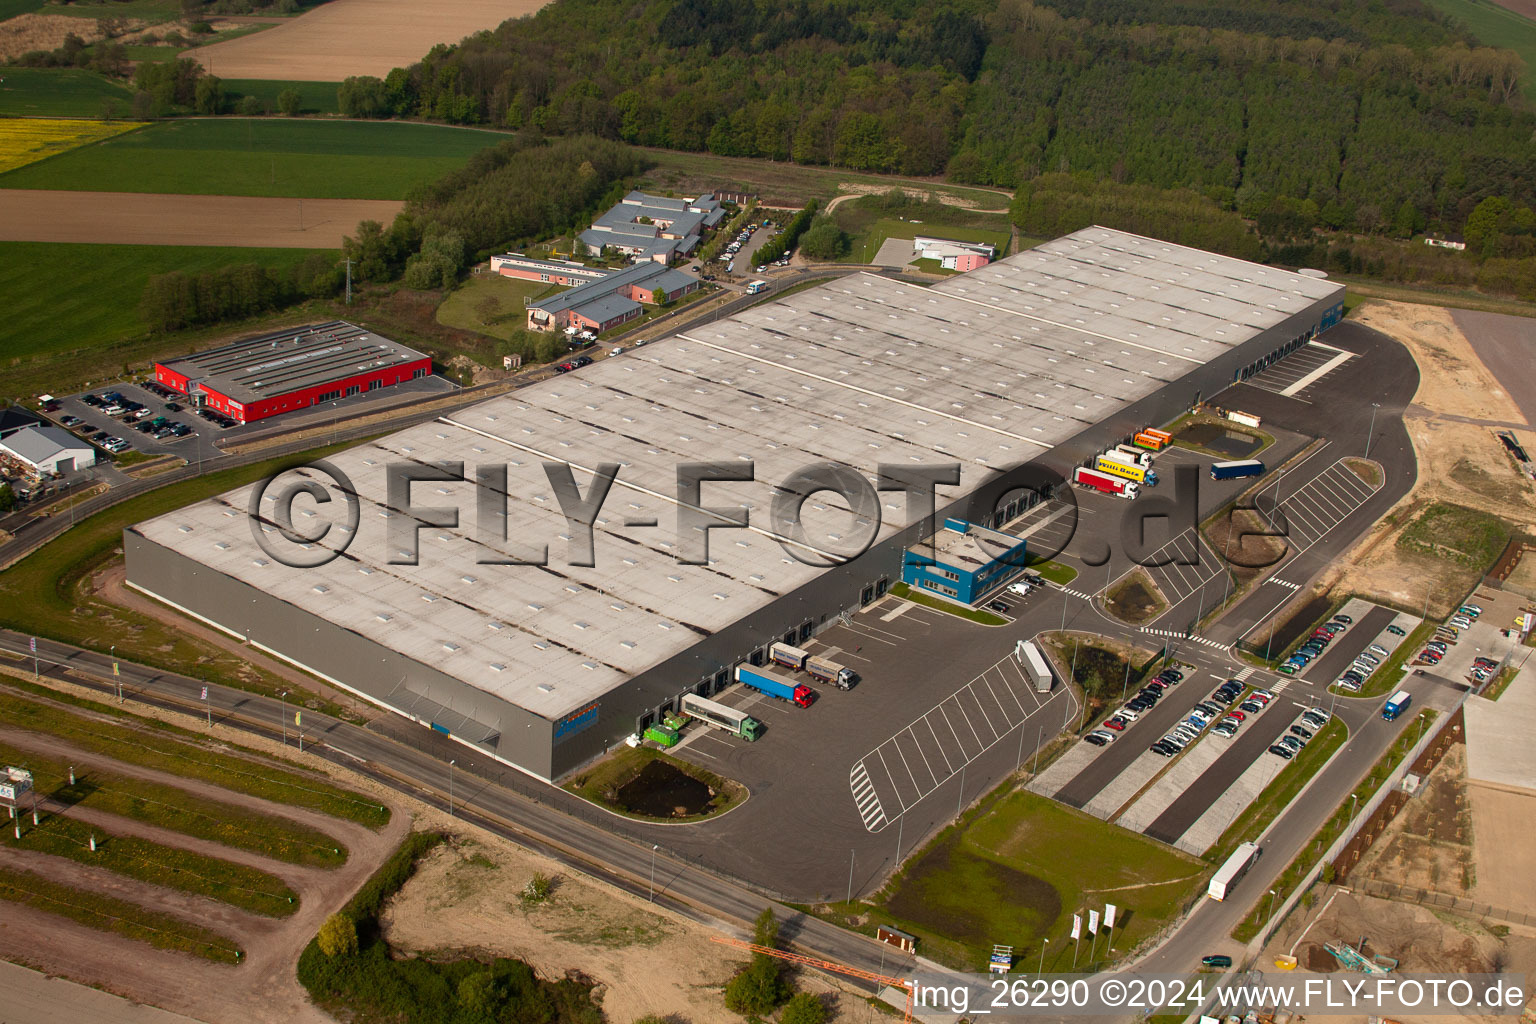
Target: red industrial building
<point>292,369</point>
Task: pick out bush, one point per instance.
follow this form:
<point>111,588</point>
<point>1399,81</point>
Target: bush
<point>824,240</point>
<point>757,989</point>
<point>288,102</point>
<point>804,1008</point>
<point>338,936</point>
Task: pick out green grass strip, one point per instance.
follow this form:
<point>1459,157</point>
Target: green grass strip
<point>1390,672</point>
<point>184,870</point>
<point>1282,789</point>
<point>175,809</point>
<point>136,745</point>
<point>1332,828</point>
<point>906,593</point>
<point>120,917</point>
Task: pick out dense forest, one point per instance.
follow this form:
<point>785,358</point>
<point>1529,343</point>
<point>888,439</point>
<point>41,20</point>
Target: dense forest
<point>1369,116</point>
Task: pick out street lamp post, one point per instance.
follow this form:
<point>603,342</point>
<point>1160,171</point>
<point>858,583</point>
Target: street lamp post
<point>654,848</point>
<point>1368,433</point>
<point>850,877</point>
<point>1043,944</point>
<point>450,787</point>
<point>283,717</point>
<point>1269,905</point>
<point>116,678</point>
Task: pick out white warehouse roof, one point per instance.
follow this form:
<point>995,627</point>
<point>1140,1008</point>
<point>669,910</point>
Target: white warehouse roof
<point>989,369</point>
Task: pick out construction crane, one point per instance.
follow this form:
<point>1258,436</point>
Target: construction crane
<point>824,965</point>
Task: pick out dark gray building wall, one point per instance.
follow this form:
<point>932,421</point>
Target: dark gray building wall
<point>352,661</point>
<point>527,740</point>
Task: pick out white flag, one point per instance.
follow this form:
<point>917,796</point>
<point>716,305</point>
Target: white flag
<point>1109,915</point>
<point>1077,926</point>
<point>1093,922</point>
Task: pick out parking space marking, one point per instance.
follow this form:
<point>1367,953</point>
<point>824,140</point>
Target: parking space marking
<point>885,783</point>
<point>1300,370</point>
<point>1316,507</point>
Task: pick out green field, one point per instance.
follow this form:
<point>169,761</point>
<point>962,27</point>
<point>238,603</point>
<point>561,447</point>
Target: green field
<point>1495,26</point>
<point>870,220</point>
<point>155,745</point>
<point>59,92</point>
<point>262,157</point>
<point>63,297</point>
<point>458,309</point>
<point>314,97</point>
<point>11,8</point>
<point>1017,870</point>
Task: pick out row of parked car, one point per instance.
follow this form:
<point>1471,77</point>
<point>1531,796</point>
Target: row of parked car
<point>1446,635</point>
<point>1218,706</point>
<point>1145,700</point>
<point>574,364</point>
<point>1031,582</point>
<point>1289,745</point>
<point>1315,644</point>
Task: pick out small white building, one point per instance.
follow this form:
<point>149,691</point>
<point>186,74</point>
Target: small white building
<point>953,255</point>
<point>44,451</point>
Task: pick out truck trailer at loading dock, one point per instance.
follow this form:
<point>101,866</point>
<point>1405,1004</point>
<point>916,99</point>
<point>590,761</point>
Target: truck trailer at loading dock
<point>712,713</point>
<point>1118,464</point>
<point>1104,483</point>
<point>766,680</point>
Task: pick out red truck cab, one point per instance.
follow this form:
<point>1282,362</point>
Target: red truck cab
<point>804,695</point>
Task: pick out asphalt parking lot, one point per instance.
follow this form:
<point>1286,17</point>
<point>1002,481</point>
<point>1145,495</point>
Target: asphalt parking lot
<point>207,438</point>
<point>189,447</point>
<point>938,716</point>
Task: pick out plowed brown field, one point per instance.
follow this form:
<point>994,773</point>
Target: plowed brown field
<point>355,37</point>
<point>135,218</point>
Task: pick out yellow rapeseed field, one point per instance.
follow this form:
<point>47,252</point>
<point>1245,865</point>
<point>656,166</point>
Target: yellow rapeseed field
<point>26,140</point>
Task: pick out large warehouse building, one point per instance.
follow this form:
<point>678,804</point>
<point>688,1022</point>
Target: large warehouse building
<point>292,369</point>
<point>1038,359</point>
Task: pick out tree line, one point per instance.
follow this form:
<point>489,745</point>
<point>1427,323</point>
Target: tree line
<point>1366,107</point>
<point>178,300</point>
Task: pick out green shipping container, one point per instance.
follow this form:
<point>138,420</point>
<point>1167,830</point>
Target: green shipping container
<point>664,735</point>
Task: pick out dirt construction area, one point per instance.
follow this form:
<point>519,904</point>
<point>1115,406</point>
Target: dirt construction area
<point>1421,940</point>
<point>465,896</point>
<point>128,218</point>
<point>355,37</point>
<point>1451,422</point>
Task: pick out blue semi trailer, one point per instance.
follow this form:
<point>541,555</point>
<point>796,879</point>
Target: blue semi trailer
<point>1233,470</point>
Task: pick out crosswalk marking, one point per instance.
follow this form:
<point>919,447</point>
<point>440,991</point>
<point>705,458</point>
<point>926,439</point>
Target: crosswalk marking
<point>866,798</point>
<point>1176,634</point>
<point>1279,685</point>
<point>1283,583</point>
<point>1075,593</point>
<point>1244,674</point>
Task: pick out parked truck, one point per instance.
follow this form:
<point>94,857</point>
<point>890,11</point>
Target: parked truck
<point>828,671</point>
<point>774,684</point>
<point>1119,465</point>
<point>1104,483</point>
<point>1396,704</point>
<point>757,286</point>
<point>1239,468</point>
<point>1137,455</point>
<point>726,719</point>
<point>1033,662</point>
<point>788,656</point>
<point>1150,441</point>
